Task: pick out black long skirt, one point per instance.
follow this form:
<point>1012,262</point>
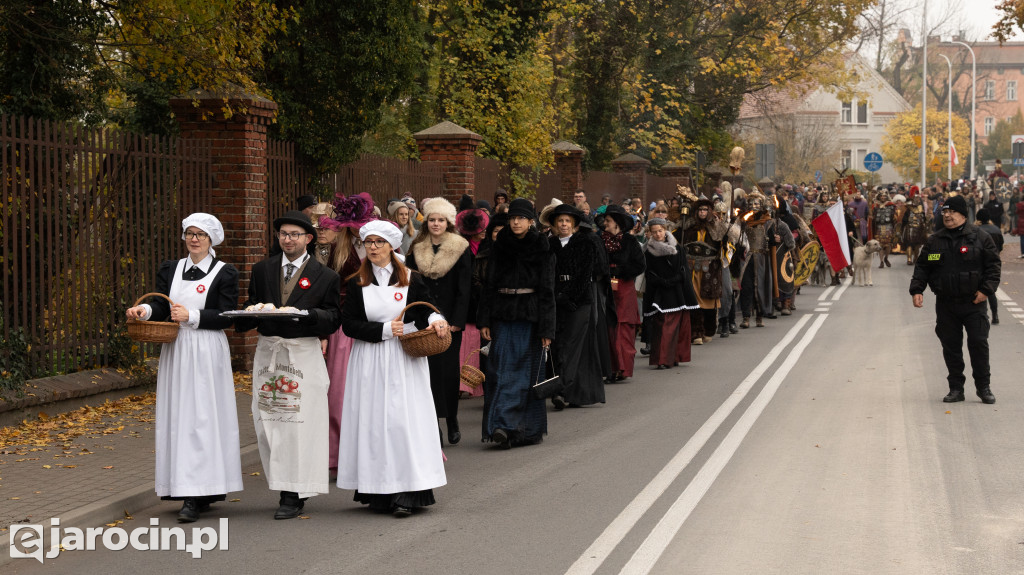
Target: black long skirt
<point>444,378</point>
<point>577,359</point>
<point>599,326</point>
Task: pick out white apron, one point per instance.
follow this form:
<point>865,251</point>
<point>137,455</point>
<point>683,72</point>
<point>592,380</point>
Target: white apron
<point>389,442</point>
<point>289,410</point>
<point>197,449</point>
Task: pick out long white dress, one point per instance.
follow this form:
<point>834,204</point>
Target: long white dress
<point>389,440</point>
<point>197,449</point>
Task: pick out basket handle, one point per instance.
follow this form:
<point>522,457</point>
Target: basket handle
<point>430,305</point>
<point>144,296</point>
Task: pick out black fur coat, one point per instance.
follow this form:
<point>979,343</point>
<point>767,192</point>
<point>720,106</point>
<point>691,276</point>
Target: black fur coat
<point>525,263</point>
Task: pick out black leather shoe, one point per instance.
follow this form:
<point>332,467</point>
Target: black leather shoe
<point>956,395</point>
<point>558,402</point>
<point>986,396</point>
<point>454,435</point>
<point>190,510</point>
<point>401,511</point>
<point>500,436</point>
<point>733,329</point>
<point>290,505</point>
<point>995,320</point>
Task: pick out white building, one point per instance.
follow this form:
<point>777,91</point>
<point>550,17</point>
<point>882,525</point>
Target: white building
<point>821,131</point>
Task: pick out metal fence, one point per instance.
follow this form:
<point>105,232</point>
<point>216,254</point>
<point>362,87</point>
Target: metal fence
<point>86,218</point>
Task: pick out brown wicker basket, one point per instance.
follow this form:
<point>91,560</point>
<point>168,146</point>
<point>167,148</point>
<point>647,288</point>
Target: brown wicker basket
<point>423,343</point>
<point>471,376</point>
<point>152,331</point>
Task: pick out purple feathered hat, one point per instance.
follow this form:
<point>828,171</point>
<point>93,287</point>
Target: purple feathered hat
<point>350,212</point>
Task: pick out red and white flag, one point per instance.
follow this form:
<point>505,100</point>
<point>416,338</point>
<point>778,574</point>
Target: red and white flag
<point>953,159</point>
<point>831,230</point>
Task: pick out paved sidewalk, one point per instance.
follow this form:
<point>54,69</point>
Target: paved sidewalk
<point>94,478</point>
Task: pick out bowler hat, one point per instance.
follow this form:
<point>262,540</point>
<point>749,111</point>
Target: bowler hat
<point>297,218</point>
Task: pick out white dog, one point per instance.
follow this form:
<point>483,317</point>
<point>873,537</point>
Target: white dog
<point>862,262</point>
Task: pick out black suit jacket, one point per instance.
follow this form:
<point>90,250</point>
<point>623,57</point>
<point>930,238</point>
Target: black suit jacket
<point>322,299</point>
<point>221,295</point>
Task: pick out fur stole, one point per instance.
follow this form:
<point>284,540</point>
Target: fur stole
<point>665,248</point>
<point>436,265</point>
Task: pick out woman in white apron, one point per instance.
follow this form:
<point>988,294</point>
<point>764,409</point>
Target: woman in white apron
<point>197,450</point>
<point>387,451</point>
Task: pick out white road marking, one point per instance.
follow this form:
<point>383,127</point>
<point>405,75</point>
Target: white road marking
<point>826,302</point>
<point>821,309</point>
<point>602,547</point>
<point>824,294</point>
<point>1018,316</point>
<point>839,292</point>
<point>1001,295</point>
<point>651,549</point>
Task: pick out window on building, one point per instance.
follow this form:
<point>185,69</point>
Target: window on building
<point>1011,90</point>
<point>845,159</point>
<point>989,124</point>
<point>854,113</point>
<point>990,90</point>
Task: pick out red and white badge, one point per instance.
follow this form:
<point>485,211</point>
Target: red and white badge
<point>200,288</point>
<point>304,283</point>
<point>963,249</point>
<point>398,296</point>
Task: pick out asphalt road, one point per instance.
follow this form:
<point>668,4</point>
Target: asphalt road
<point>817,444</point>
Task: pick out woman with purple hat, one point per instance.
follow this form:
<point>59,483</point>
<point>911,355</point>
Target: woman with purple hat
<point>341,233</point>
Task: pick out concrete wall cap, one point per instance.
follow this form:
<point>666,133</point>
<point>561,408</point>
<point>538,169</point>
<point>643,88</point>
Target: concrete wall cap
<point>447,130</point>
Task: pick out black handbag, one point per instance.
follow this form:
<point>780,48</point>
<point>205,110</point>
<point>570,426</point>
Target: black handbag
<point>551,386</point>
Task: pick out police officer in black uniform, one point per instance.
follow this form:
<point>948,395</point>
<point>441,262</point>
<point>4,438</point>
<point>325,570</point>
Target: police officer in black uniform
<point>961,265</point>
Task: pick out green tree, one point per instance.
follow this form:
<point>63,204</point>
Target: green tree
<point>340,68</point>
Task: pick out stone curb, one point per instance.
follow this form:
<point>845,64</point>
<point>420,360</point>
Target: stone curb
<point>112,508</point>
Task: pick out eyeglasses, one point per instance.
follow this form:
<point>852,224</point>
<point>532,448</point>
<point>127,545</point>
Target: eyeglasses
<point>376,243</point>
<point>196,235</point>
<point>291,236</point>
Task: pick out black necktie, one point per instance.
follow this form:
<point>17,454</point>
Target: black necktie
<point>193,274</point>
<point>289,270</point>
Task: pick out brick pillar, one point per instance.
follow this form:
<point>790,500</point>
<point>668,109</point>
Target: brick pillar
<point>636,167</point>
<point>679,173</point>
<point>569,167</point>
<point>238,181</point>
<point>454,147</point>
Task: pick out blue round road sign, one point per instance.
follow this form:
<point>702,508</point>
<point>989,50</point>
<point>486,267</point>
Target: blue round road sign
<point>873,162</point>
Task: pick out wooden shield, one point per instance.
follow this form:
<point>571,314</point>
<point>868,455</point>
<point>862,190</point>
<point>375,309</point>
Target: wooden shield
<point>806,262</point>
<point>787,271</point>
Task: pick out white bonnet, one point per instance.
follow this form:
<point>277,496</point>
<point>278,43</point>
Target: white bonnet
<point>209,224</point>
<point>383,228</point>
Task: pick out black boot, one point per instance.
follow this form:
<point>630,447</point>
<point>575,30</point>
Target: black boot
<point>454,435</point>
<point>290,505</point>
<point>723,327</point>
<point>189,511</point>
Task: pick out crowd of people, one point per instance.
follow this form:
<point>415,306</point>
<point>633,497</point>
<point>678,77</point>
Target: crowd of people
<point>523,295</point>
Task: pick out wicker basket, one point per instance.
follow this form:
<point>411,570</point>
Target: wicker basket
<point>471,376</point>
<point>152,331</point>
<point>423,343</point>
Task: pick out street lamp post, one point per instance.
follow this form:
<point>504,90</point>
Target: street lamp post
<point>974,90</point>
<point>949,119</point>
<point>924,93</point>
